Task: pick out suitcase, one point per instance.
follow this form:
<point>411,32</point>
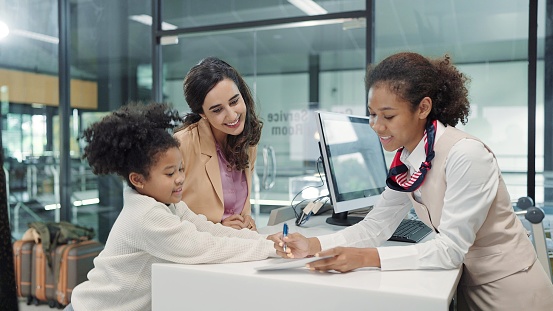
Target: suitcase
<point>74,261</point>
<point>22,257</point>
<point>42,279</point>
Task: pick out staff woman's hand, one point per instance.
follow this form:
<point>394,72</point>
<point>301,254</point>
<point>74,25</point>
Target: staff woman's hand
<point>346,259</point>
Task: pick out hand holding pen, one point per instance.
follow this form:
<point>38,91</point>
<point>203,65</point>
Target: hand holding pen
<point>296,245</point>
<point>284,234</point>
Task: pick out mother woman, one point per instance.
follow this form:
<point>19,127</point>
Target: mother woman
<point>218,141</point>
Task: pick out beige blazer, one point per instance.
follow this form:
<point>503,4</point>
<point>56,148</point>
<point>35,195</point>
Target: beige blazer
<point>203,189</point>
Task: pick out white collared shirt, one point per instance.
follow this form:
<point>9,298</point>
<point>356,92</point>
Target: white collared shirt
<point>462,215</point>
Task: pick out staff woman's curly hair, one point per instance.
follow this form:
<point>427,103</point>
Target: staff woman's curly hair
<point>130,139</point>
<point>412,77</point>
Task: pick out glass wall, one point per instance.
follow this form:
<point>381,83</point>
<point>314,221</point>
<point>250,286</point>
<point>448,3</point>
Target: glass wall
<point>544,105</point>
<point>191,14</point>
<point>111,47</point>
<point>296,61</point>
<point>104,73</point>
<point>488,41</point>
<point>293,69</point>
<point>28,103</point>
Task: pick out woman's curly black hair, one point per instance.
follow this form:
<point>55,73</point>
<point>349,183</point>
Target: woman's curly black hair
<point>412,77</point>
<point>201,79</point>
<point>130,139</point>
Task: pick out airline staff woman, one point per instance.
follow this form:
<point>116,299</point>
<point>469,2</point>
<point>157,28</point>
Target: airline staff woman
<point>453,182</point>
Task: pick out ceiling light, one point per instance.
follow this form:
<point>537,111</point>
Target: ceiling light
<point>308,6</point>
<point>147,20</point>
<point>36,36</point>
<point>4,30</point>
<point>355,23</point>
<point>271,27</point>
<point>168,40</point>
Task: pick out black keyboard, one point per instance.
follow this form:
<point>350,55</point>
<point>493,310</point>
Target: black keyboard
<point>411,231</point>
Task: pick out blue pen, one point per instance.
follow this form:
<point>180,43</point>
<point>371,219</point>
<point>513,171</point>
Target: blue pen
<point>284,233</point>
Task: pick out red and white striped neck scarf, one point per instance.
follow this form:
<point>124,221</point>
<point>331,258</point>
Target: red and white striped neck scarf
<point>397,176</point>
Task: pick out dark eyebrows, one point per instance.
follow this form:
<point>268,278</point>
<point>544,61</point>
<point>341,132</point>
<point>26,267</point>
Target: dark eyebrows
<point>230,100</point>
<point>214,106</point>
<point>383,109</point>
<point>169,167</point>
<point>234,97</point>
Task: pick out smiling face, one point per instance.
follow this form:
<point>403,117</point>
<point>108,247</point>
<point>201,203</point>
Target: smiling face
<point>225,110</point>
<point>165,179</point>
<point>394,120</point>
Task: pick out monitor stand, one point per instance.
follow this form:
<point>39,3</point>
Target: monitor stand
<point>342,219</point>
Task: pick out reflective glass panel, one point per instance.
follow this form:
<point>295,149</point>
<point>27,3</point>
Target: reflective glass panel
<point>191,13</point>
<point>488,41</point>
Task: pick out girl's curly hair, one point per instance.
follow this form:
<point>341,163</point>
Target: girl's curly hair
<point>412,77</point>
<point>130,139</point>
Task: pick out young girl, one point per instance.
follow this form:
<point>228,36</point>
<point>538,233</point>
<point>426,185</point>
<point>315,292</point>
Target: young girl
<point>219,143</point>
<point>414,104</point>
<point>154,224</point>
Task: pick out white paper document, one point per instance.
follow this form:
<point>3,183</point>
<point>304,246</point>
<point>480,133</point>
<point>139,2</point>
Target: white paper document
<point>283,263</point>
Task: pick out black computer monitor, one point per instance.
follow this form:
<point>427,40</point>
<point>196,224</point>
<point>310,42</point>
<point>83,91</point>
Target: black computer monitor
<point>354,164</point>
